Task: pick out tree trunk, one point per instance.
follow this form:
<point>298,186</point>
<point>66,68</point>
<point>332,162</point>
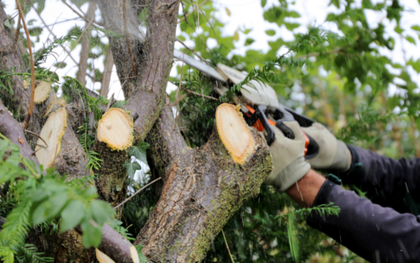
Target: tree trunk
<point>204,187</point>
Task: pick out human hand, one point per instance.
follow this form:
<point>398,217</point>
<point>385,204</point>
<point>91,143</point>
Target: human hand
<point>333,153</point>
<point>287,156</point>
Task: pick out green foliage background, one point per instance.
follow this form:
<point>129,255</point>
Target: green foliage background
<point>343,76</point>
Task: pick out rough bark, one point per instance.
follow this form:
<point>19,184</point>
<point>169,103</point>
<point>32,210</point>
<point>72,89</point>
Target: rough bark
<point>203,189</point>
<point>10,128</point>
<point>115,246</point>
<point>18,102</point>
<point>72,158</point>
<point>144,81</point>
<point>166,142</point>
<point>125,41</point>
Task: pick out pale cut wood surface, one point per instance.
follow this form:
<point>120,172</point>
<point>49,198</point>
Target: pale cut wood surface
<point>42,92</point>
<point>116,129</point>
<point>234,132</point>
<point>52,133</point>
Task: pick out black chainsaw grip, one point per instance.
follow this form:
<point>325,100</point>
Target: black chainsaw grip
<point>285,129</point>
<point>313,148</point>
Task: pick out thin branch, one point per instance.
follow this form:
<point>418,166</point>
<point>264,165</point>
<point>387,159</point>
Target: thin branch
<point>227,246</point>
<point>31,103</point>
<point>52,33</point>
<point>196,93</point>
<point>33,133</point>
<point>17,30</point>
<point>190,49</point>
<point>77,42</point>
<point>141,189</point>
<point>198,13</point>
<point>77,13</point>
<point>199,94</point>
<point>197,7</point>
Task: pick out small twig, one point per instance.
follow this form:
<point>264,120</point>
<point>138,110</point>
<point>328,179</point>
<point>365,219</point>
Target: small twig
<point>77,42</point>
<point>198,13</point>
<point>31,103</point>
<point>196,93</point>
<point>77,13</point>
<point>197,7</point>
<point>190,49</point>
<point>227,246</point>
<point>52,33</point>
<point>199,94</point>
<point>128,199</point>
<point>33,133</point>
<point>17,30</point>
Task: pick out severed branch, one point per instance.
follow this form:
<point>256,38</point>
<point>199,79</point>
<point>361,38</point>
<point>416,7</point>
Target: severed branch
<point>204,187</point>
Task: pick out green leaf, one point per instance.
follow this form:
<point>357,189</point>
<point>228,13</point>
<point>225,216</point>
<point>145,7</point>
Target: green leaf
<point>249,41</point>
<point>131,167</point>
<point>92,235</point>
<point>50,208</point>
<point>291,26</point>
<point>228,11</point>
<point>410,39</point>
<point>416,28</point>
<point>263,3</point>
<point>398,29</point>
<point>3,147</point>
<point>101,211</point>
<point>142,258</point>
<point>236,36</point>
<point>139,151</point>
<point>60,64</point>
<point>292,235</point>
<point>89,193</point>
<point>7,23</point>
<point>270,32</point>
<point>72,215</point>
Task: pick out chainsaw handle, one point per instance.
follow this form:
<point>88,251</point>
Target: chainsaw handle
<point>259,120</point>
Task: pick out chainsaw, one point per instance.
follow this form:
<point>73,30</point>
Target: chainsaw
<point>258,102</point>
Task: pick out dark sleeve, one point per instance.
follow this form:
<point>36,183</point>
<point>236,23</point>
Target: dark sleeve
<point>373,232</point>
<point>388,182</point>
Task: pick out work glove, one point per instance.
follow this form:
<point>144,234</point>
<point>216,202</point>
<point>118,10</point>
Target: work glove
<point>287,157</point>
<point>333,154</point>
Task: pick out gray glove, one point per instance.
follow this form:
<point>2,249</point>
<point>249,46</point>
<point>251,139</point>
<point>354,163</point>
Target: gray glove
<point>287,156</point>
<point>333,154</point>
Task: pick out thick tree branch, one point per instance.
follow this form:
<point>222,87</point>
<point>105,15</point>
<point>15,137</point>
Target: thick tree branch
<point>166,142</point>
<point>145,92</point>
<point>18,101</point>
<point>204,187</point>
<point>13,130</point>
<point>123,28</point>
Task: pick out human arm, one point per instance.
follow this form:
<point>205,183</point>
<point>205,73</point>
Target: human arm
<point>371,231</point>
<point>388,182</point>
<point>382,178</point>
